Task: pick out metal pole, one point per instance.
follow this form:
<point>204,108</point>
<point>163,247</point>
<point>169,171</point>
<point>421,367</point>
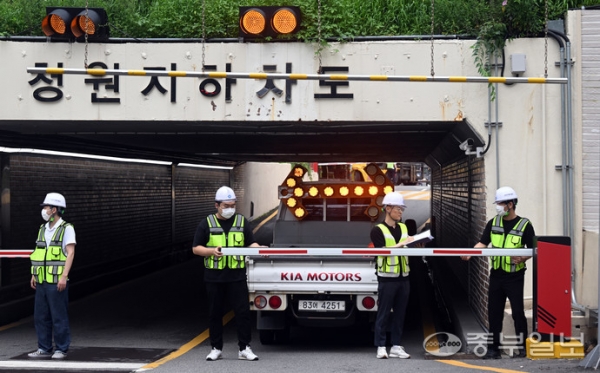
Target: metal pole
<point>262,76</point>
<point>592,360</point>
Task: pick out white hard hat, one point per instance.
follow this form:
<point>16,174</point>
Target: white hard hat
<point>393,198</point>
<point>54,199</point>
<point>505,194</point>
<point>225,194</point>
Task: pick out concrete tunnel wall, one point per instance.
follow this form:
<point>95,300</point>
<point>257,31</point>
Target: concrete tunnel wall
<point>126,221</point>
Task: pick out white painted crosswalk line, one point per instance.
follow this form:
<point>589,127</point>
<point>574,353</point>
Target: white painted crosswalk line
<point>78,366</point>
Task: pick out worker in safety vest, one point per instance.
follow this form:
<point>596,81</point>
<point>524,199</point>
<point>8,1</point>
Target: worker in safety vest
<point>225,275</point>
<point>507,275</point>
<point>391,171</point>
<point>51,263</point>
<point>392,274</point>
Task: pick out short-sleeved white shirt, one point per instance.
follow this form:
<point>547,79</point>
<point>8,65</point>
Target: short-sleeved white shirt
<point>68,237</point>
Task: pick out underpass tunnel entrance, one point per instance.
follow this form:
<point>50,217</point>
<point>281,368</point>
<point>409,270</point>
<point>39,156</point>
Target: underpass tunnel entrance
<point>457,200</point>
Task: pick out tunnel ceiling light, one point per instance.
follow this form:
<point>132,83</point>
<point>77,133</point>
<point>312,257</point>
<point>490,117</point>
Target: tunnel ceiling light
<point>268,21</point>
<point>72,23</point>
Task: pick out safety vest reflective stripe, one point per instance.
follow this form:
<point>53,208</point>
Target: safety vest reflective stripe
<point>392,266</point>
<point>217,238</point>
<point>48,263</point>
<point>513,240</point>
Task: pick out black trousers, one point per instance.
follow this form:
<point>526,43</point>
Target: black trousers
<point>236,295</point>
<point>502,286</point>
<point>391,295</point>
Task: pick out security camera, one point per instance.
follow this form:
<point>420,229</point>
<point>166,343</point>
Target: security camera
<point>465,145</point>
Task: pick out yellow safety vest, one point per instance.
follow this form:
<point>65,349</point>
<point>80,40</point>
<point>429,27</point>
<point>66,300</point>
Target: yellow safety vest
<point>392,266</point>
<point>217,238</point>
<point>513,240</point>
<point>48,263</point>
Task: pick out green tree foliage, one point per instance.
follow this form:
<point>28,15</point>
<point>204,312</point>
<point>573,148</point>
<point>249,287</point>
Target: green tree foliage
<point>492,22</point>
<point>339,18</point>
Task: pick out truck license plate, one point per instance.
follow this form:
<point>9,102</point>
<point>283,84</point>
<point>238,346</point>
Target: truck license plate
<point>321,305</point>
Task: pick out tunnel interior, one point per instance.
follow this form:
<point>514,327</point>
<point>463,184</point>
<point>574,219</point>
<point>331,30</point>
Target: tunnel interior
<point>457,180</point>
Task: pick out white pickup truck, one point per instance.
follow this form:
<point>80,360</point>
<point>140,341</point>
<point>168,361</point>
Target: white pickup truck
<point>324,291</point>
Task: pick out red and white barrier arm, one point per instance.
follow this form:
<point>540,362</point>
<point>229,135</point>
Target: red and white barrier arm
<point>15,253</point>
<point>315,251</point>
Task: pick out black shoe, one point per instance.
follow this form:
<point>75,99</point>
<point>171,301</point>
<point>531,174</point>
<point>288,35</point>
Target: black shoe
<point>519,354</point>
<point>492,354</point>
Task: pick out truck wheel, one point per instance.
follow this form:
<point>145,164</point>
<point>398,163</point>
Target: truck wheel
<point>267,337</point>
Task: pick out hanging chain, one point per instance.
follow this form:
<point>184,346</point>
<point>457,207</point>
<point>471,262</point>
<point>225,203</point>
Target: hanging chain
<point>203,31</point>
<point>546,39</point>
<point>432,29</point>
<point>320,46</point>
<point>87,20</point>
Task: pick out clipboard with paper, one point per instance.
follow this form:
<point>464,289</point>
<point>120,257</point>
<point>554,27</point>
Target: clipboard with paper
<point>420,238</point>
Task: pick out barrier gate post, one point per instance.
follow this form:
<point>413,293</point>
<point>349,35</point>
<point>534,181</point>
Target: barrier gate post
<point>552,301</point>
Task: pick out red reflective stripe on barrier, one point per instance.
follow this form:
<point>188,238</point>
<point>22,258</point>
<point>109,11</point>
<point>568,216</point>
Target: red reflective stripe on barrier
<point>465,252</point>
<point>367,252</point>
<point>266,252</point>
<point>15,254</point>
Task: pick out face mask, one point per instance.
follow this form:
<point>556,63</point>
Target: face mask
<point>45,215</point>
<point>227,213</point>
<point>500,211</point>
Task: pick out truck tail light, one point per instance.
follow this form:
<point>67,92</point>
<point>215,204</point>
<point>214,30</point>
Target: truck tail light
<point>368,302</point>
<point>260,302</point>
<point>275,302</point>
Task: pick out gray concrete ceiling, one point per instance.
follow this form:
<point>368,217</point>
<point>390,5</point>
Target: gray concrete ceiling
<point>230,143</point>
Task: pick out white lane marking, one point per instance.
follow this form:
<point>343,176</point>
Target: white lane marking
<point>79,365</point>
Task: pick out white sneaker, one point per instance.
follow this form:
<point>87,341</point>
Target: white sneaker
<point>39,354</point>
<point>381,353</point>
<point>398,351</point>
<point>59,355</point>
<point>247,354</point>
<point>215,354</point>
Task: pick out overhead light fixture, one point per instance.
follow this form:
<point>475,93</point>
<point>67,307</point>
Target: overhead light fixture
<point>268,21</point>
<point>75,23</point>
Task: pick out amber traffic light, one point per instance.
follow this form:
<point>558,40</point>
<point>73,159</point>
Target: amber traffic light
<point>268,21</point>
<point>75,23</point>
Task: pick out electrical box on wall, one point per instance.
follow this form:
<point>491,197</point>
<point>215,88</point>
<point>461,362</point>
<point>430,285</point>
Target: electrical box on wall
<point>517,63</point>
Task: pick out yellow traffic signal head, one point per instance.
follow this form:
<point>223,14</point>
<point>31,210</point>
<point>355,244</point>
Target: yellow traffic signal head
<point>268,21</point>
<point>74,23</point>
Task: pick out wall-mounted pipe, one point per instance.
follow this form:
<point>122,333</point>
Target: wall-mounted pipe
<point>567,154</point>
